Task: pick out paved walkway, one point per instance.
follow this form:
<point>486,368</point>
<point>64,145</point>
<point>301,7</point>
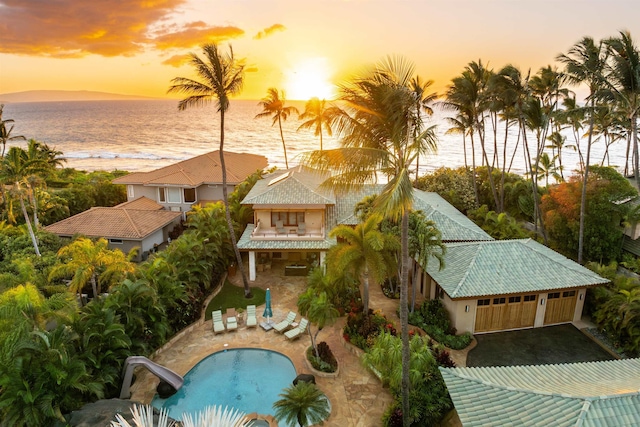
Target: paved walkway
<point>356,396</point>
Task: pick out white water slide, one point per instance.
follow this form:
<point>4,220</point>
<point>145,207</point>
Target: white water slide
<point>160,371</point>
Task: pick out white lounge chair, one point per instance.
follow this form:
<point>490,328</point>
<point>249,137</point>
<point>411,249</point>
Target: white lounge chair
<point>232,320</point>
<point>218,325</point>
<point>252,320</point>
<point>302,229</point>
<point>298,330</point>
<point>280,227</point>
<point>286,323</point>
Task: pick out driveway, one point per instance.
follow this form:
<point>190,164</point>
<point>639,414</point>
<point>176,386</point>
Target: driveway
<point>539,346</point>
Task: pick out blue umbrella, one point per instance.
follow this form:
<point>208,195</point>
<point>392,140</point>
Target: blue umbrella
<point>267,309</point>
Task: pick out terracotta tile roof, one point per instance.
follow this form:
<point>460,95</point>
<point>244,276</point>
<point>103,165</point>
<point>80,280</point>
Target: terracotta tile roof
<point>117,223</point>
<point>499,267</point>
<point>603,393</point>
<point>141,203</point>
<point>202,169</point>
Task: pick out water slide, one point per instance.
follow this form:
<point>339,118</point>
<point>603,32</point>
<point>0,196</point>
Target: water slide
<point>160,371</point>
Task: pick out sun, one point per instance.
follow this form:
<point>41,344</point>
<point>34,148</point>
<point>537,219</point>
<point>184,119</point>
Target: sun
<point>309,78</point>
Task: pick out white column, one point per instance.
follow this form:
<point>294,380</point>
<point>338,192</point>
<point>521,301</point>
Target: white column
<point>252,266</point>
<point>323,255</point>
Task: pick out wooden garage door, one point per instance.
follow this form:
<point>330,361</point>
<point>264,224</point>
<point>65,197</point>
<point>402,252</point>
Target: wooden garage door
<point>499,313</point>
<point>560,307</point>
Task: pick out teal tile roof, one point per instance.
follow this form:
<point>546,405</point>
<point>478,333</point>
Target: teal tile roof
<point>245,243</point>
<point>630,245</point>
<point>499,267</point>
<point>453,224</point>
<point>593,394</point>
<point>300,186</point>
<point>346,203</point>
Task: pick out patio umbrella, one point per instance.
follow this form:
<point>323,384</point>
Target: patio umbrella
<point>267,309</point>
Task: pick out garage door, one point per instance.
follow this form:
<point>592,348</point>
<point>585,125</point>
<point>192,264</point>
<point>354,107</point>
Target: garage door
<point>560,307</point>
<point>500,313</point>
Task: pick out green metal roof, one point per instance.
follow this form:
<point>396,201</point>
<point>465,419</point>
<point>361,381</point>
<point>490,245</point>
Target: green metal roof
<point>279,244</point>
<point>499,267</point>
<point>591,394</point>
<point>453,224</point>
<point>295,187</point>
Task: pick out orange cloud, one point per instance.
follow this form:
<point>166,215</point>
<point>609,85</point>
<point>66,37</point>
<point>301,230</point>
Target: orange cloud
<point>195,34</point>
<point>176,60</point>
<point>72,28</point>
<point>269,31</point>
<point>251,69</point>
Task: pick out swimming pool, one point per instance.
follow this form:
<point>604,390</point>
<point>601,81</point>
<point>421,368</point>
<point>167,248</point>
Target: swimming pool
<point>246,379</point>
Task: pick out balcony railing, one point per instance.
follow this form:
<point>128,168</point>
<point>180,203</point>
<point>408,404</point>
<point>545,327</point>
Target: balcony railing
<point>290,233</point>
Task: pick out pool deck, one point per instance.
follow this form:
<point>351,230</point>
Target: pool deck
<point>357,397</point>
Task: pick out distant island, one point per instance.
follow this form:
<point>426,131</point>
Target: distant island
<point>66,95</point>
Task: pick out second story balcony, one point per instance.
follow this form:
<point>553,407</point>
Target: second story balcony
<point>283,232</point>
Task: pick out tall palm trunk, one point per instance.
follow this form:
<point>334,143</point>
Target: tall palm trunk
<point>365,290</point>
<point>585,178</point>
<point>227,211</point>
<point>404,319</point>
<point>284,146</point>
<point>636,160</point>
<point>29,227</point>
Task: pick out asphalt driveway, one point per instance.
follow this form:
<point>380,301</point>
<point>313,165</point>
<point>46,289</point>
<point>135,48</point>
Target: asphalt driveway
<point>539,346</point>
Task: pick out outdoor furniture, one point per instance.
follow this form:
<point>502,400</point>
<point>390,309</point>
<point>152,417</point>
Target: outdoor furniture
<point>302,229</point>
<point>297,331</point>
<point>252,320</point>
<point>280,227</point>
<point>218,325</point>
<point>232,319</point>
<point>296,270</point>
<point>286,323</point>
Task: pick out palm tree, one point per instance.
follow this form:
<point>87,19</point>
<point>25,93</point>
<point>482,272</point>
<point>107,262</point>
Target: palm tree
<point>584,63</point>
<point>378,139</point>
<point>425,243</point>
<point>5,133</point>
<point>319,310</point>
<point>364,250</point>
<point>91,262</point>
<point>302,403</point>
<point>221,77</point>
<point>423,100</point>
<point>622,84</point>
<point>318,116</point>
<point>273,106</point>
<point>15,170</point>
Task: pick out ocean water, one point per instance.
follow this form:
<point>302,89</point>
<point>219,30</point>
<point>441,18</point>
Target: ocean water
<point>145,135</point>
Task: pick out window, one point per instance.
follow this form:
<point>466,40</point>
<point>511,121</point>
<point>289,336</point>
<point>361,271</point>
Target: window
<point>499,301</point>
<point>130,193</point>
<point>514,299</point>
<point>115,241</point>
<point>567,294</point>
<point>528,298</point>
<point>484,302</point>
<point>553,295</point>
<point>189,195</point>
<point>169,195</point>
<point>288,218</point>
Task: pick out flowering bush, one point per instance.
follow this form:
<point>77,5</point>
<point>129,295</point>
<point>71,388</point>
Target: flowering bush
<point>361,330</point>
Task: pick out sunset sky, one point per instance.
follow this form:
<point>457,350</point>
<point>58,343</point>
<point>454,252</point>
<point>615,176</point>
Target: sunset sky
<point>303,46</point>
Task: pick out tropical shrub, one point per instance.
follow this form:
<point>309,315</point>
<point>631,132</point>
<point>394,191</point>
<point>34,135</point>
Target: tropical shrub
<point>454,185</point>
<point>433,318</point>
<point>361,330</point>
<point>325,361</point>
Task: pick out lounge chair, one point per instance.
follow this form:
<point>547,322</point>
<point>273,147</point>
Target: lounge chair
<point>280,227</point>
<point>218,325</point>
<point>252,320</point>
<point>298,330</point>
<point>232,320</point>
<point>286,323</point>
<point>302,229</point>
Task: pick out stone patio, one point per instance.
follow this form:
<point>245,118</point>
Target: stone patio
<point>357,397</point>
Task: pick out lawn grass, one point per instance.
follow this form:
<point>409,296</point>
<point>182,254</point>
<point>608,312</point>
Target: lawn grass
<point>232,296</point>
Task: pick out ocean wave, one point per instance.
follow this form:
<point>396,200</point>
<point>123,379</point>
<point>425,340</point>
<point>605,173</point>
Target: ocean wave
<point>132,156</point>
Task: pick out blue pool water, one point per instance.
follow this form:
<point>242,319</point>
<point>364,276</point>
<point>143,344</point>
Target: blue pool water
<point>246,379</point>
